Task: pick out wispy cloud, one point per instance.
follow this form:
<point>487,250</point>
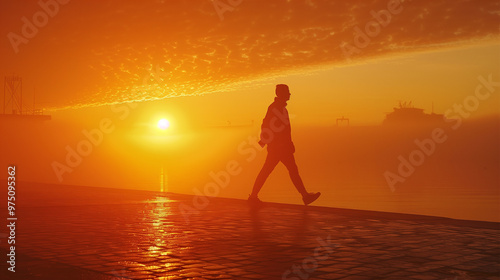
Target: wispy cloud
<point>125,51</point>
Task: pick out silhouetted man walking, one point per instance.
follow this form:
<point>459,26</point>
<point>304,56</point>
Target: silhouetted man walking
<point>276,133</point>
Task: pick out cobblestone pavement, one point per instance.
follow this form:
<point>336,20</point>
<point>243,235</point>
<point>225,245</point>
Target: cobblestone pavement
<point>92,233</point>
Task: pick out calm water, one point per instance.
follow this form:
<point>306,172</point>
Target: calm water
<point>462,204</point>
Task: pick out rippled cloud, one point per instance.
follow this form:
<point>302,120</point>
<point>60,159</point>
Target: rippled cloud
<point>126,51</point>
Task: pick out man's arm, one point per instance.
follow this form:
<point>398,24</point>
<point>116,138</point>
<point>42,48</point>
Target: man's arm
<point>265,124</point>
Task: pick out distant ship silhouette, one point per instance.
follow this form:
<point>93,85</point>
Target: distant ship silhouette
<point>407,114</point>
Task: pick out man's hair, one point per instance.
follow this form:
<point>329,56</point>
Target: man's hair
<point>281,89</point>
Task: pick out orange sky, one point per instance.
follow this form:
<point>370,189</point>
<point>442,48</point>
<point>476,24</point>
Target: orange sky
<point>92,54</point>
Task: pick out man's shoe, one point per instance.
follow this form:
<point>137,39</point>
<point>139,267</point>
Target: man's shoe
<point>254,200</point>
<point>310,197</point>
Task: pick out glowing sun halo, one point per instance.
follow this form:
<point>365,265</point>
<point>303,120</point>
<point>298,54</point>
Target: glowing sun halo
<point>163,124</point>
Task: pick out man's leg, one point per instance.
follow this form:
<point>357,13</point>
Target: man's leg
<point>289,161</point>
<point>271,162</point>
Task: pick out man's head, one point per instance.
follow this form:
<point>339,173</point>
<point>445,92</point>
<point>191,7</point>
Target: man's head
<point>283,92</point>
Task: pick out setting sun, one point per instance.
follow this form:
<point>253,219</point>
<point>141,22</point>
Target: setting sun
<point>163,124</point>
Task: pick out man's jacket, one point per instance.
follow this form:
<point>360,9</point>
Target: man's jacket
<point>276,130</point>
